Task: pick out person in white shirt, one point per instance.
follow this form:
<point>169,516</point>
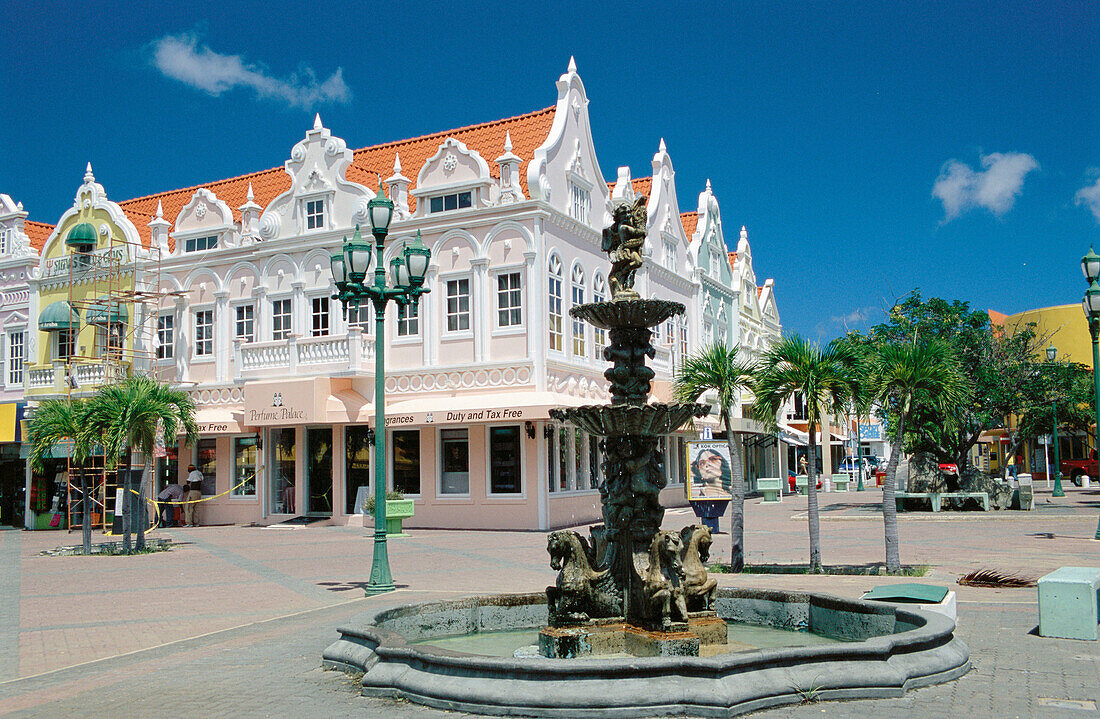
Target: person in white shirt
<point>194,493</point>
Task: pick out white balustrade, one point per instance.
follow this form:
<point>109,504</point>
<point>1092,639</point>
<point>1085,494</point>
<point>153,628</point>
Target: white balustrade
<point>39,378</point>
<point>344,352</point>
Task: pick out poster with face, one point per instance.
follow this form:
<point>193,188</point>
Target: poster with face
<point>709,475</point>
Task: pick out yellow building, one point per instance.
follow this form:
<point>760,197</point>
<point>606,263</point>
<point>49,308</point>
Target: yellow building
<point>1064,326</point>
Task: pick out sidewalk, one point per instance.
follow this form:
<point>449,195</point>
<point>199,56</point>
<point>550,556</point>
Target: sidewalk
<point>232,622</point>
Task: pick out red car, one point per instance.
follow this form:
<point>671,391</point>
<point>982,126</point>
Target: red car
<point>790,481</point>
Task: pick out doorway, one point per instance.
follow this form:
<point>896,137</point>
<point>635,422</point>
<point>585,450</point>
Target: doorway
<point>319,471</point>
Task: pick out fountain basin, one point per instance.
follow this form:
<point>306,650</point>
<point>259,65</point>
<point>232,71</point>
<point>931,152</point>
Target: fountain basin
<point>887,651</point>
<point>620,420</point>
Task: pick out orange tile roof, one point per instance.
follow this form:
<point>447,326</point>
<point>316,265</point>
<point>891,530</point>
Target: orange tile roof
<point>689,220</point>
<point>527,131</point>
<point>37,232</point>
<point>996,318</point>
<point>642,186</point>
<point>732,257</point>
<point>759,291</point>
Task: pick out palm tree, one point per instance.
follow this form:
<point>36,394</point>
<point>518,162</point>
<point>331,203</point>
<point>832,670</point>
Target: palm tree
<point>898,373</point>
<point>58,420</point>
<point>824,377</point>
<point>132,414</point>
<point>717,367</point>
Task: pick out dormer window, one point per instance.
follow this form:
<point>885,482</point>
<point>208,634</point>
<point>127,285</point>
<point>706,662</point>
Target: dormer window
<point>199,244</point>
<point>446,203</point>
<point>670,254</point>
<point>581,202</point>
<point>315,215</point>
<point>4,234</point>
<point>714,263</point>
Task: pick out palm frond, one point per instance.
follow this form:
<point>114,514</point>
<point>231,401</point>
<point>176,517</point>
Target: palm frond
<point>716,367</point>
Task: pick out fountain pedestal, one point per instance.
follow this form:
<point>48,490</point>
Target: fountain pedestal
<point>704,633</point>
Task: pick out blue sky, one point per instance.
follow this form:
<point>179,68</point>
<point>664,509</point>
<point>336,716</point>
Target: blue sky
<point>870,148</point>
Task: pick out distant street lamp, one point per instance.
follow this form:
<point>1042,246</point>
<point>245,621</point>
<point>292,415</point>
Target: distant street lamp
<point>349,272</point>
<point>1052,354</point>
<point>1090,266</point>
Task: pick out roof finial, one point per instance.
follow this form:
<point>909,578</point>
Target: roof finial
<point>397,163</point>
<point>381,190</point>
<point>507,140</point>
<point>317,122</point>
<point>88,176</point>
<point>250,196</point>
<point>661,147</point>
<point>744,233</point>
<point>708,184</point>
<point>572,64</point>
<point>160,211</point>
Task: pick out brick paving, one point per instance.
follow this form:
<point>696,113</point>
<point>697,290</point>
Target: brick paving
<point>232,622</point>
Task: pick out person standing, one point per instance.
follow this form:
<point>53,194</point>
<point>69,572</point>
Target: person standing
<point>169,499</point>
<point>194,494</point>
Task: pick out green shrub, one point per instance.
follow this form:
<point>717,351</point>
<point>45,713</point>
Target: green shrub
<point>391,495</point>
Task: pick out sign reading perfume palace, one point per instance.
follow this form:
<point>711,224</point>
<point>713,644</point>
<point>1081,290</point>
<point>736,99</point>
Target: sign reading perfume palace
<point>60,266</point>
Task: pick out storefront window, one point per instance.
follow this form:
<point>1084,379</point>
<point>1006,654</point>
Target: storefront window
<point>356,463</point>
<point>206,462</point>
<point>406,461</point>
<point>244,464</point>
<point>456,462</point>
<point>504,466</point>
<point>580,480</point>
<point>551,460</point>
<point>319,470</point>
<point>563,460</point>
<point>593,461</point>
<point>167,468</point>
<point>281,471</point>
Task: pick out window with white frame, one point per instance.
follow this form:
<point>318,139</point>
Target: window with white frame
<point>446,203</point>
<point>670,254</point>
<point>244,327</point>
<point>204,333</point>
<point>455,456</point>
<point>199,244</point>
<point>581,202</point>
<point>714,263</point>
<point>509,300</point>
<point>108,339</point>
<point>458,305</point>
<point>5,235</point>
<point>683,340</point>
<point>359,316</point>
<point>319,317</point>
<point>599,336</point>
<point>708,332</point>
<point>315,214</point>
<point>280,319</point>
<point>166,337</point>
<point>578,299</point>
<point>408,319</point>
<point>16,357</point>
<point>65,344</point>
<point>557,341</point>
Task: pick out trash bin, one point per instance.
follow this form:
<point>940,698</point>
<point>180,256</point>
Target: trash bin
<point>880,477</point>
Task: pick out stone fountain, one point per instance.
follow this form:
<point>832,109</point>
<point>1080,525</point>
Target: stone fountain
<point>633,588</point>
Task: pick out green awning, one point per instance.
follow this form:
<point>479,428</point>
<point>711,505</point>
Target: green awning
<point>82,234</point>
<point>59,316</point>
<point>916,593</point>
<point>102,311</point>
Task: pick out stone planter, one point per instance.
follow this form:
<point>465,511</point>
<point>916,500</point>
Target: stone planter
<point>397,510</point>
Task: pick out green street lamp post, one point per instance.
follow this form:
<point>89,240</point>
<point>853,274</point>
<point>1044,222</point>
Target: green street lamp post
<point>1052,354</point>
<point>1090,266</point>
<point>349,272</point>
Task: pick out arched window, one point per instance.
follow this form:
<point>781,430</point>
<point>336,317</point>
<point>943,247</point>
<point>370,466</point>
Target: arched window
<point>578,299</point>
<point>554,305</point>
<point>599,336</point>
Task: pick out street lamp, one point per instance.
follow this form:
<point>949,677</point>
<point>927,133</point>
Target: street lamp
<point>1052,354</point>
<point>349,272</point>
<point>1090,265</point>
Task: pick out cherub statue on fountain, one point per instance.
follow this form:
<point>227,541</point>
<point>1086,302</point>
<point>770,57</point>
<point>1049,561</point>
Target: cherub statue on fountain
<point>623,240</point>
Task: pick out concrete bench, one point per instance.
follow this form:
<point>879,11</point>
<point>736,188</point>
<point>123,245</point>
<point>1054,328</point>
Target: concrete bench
<point>982,497</point>
<point>801,482</point>
<point>840,482</point>
<point>931,496</point>
<point>1068,603</point>
<point>772,487</point>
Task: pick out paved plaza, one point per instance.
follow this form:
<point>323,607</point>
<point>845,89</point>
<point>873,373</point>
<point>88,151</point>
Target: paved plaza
<point>233,620</point>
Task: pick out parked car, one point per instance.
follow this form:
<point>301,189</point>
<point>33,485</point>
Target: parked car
<point>850,466</point>
<point>1075,468</point>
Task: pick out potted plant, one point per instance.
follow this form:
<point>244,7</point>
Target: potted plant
<point>397,509</point>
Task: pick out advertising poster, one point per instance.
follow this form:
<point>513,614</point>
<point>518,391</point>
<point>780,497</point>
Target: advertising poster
<point>708,470</point>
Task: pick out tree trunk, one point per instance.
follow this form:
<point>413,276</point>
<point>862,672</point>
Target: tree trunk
<point>86,518</point>
<point>143,511</point>
<point>737,503</point>
<point>127,519</point>
<point>889,505</point>
<point>811,500</point>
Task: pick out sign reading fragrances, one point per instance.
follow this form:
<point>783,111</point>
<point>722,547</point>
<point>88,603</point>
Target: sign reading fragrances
<point>77,263</point>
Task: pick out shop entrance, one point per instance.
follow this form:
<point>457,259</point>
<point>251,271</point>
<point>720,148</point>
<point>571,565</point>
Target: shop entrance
<point>319,471</point>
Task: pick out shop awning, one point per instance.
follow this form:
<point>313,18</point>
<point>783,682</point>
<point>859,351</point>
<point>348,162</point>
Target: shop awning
<point>104,311</point>
<point>218,420</point>
<point>349,407</point>
<point>59,316</point>
<point>11,420</point>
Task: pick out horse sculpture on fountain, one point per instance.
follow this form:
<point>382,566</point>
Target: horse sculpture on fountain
<point>700,591</point>
<point>581,592</point>
<point>664,582</point>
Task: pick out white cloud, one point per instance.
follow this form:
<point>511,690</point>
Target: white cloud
<point>1090,197</point>
<point>994,188</point>
<point>182,58</point>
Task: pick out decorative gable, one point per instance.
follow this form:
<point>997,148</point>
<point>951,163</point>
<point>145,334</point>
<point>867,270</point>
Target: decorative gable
<point>13,237</point>
<point>665,228</point>
<point>204,217</point>
<point>454,170</point>
<point>320,198</point>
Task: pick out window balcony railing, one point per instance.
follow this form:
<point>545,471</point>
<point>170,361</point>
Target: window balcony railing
<point>75,377</point>
<point>353,352</point>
